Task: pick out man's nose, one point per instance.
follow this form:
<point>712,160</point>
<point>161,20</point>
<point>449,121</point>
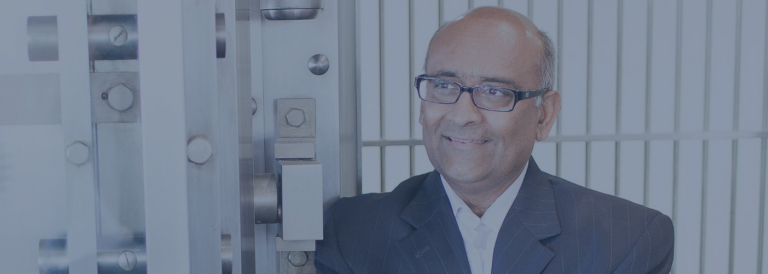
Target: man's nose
<point>464,111</point>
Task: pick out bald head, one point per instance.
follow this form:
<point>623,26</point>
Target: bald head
<point>508,29</point>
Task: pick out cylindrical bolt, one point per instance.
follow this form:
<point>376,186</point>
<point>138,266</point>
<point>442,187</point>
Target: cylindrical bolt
<point>297,258</point>
<point>127,261</point>
<point>118,35</point>
<point>295,117</point>
<point>77,153</point>
<point>199,150</point>
<point>120,98</point>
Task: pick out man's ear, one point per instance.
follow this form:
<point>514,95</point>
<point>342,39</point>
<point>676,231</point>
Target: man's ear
<point>550,107</point>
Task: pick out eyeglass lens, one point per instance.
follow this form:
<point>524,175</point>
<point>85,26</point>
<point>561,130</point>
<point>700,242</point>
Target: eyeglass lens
<point>488,97</point>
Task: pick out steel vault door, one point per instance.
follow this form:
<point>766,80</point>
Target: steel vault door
<point>130,133</point>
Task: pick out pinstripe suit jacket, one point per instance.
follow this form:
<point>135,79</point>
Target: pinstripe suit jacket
<point>554,226</point>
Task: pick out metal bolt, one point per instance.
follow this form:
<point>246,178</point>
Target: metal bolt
<point>199,150</point>
<point>77,153</point>
<point>119,98</point>
<point>127,261</point>
<point>118,35</point>
<point>104,96</point>
<point>295,117</point>
<point>297,258</point>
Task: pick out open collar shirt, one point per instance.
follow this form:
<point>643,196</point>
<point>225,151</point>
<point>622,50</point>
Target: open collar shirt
<point>479,234</point>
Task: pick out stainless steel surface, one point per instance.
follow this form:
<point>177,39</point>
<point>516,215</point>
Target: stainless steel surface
<point>318,64</point>
<point>77,153</point>
<point>290,9</point>
<point>301,200</point>
<point>301,245</point>
<point>118,107</point>
<point>28,99</point>
<point>306,107</point>
<point>52,256</point>
<point>199,150</point>
<point>295,148</point>
<point>221,36</point>
<point>290,14</point>
<point>226,254</point>
<point>127,254</point>
<point>350,181</point>
<point>113,37</point>
<point>290,262</point>
<point>43,44</point>
<point>265,198</point>
<point>179,101</point>
<point>120,179</point>
<point>119,97</point>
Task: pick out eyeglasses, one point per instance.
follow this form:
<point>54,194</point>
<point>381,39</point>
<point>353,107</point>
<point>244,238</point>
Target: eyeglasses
<point>486,97</point>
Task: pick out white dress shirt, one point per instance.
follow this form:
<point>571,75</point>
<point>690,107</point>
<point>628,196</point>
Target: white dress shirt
<point>480,234</point>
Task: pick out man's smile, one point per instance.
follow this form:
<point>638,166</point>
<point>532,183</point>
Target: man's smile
<point>478,141</point>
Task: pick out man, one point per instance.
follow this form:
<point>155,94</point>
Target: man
<point>487,208</point>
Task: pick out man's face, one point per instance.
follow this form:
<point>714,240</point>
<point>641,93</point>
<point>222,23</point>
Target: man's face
<point>466,144</point>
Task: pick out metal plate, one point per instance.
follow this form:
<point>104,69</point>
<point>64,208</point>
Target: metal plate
<point>101,83</point>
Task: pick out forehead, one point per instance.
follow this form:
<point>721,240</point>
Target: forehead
<point>486,47</point>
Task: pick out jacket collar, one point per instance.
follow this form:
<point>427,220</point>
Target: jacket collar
<point>436,242</point>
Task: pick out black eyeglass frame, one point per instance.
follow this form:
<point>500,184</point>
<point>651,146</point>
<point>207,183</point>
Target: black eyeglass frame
<point>519,94</point>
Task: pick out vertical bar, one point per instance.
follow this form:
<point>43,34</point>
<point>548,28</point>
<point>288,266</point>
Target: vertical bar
<point>76,127</point>
<point>530,16</point>
<point>558,147</point>
<point>619,45</point>
<point>676,143</point>
<point>648,80</point>
<point>588,152</point>
<point>735,142</point>
<point>382,168</point>
<point>411,39</point>
<point>705,144</point>
<point>381,90</point>
<point>764,155</point>
<point>164,136</point>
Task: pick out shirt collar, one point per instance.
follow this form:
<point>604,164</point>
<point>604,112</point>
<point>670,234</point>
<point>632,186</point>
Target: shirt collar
<point>495,214</point>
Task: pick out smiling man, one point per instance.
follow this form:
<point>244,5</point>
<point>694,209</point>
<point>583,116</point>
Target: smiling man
<point>487,208</point>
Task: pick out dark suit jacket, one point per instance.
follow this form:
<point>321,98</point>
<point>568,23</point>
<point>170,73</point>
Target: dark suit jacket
<point>554,226</point>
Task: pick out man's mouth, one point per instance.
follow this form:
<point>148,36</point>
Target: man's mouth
<point>465,141</point>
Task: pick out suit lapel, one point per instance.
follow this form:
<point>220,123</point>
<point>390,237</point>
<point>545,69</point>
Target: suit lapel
<point>532,218</point>
<point>435,245</point>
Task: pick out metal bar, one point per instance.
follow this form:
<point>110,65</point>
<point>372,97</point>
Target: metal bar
<point>381,89</point>
<point>735,143</point>
<point>763,160</point>
<point>619,45</point>
<point>164,137</point>
<point>530,12</point>
<point>382,157</point>
<point>648,82</point>
<point>705,144</point>
<point>470,4</point>
<point>440,8</point>
<point>411,63</point>
<point>558,146</point>
<point>676,143</point>
<point>588,145</point>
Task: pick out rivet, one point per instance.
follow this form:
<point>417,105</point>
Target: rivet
<point>295,117</point>
<point>199,150</point>
<point>118,36</point>
<point>297,258</point>
<point>77,153</point>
